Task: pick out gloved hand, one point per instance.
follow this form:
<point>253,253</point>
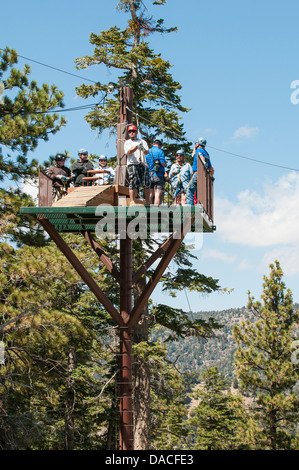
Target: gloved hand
<point>140,146</point>
<point>61,177</point>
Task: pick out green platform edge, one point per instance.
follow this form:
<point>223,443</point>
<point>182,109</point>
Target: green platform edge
<point>156,219</point>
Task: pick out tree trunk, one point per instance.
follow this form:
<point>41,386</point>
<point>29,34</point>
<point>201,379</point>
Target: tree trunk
<point>273,430</point>
<point>111,443</point>
<point>70,402</point>
<point>141,381</point>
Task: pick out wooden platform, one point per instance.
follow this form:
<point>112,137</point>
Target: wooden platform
<point>153,219</point>
<point>85,196</point>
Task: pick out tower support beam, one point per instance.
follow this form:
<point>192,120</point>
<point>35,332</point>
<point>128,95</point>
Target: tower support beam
<point>83,273</point>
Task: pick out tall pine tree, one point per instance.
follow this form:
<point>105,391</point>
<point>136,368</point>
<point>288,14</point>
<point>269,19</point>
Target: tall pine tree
<point>26,116</point>
<point>219,420</point>
<point>157,107</point>
<point>155,92</point>
<point>264,362</point>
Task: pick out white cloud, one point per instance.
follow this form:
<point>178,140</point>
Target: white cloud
<point>262,219</point>
<point>245,132</point>
<point>288,257</point>
<point>217,254</point>
<point>244,265</point>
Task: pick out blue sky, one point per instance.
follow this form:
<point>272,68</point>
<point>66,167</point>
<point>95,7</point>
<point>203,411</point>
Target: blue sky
<point>236,62</point>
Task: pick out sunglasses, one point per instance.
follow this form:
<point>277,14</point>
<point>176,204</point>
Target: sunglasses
<point>83,153</point>
<point>131,132</point>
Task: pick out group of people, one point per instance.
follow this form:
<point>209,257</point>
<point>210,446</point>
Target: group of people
<point>146,169</point>
<point>63,176</point>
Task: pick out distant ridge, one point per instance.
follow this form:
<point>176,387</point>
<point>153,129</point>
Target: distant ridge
<point>195,354</point>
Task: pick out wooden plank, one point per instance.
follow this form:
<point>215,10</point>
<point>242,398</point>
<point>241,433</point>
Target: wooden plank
<point>87,196</point>
<point>124,190</point>
<point>44,190</point>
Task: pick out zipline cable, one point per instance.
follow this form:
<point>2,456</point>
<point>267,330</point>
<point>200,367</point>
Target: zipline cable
<point>144,119</point>
<point>215,148</point>
<point>59,110</point>
<point>55,68</point>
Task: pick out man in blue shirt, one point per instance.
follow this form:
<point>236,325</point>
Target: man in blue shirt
<point>199,151</point>
<point>156,162</point>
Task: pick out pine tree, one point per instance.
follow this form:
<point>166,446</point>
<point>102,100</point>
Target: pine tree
<point>14,227</point>
<point>26,117</point>
<point>55,385</point>
<point>156,104</point>
<point>155,97</point>
<point>219,420</point>
<point>168,408</point>
<point>264,363</point>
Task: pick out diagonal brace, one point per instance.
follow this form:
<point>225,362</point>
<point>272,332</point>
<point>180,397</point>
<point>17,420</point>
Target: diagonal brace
<point>157,254</point>
<point>83,273</point>
<point>102,255</point>
<point>153,281</point>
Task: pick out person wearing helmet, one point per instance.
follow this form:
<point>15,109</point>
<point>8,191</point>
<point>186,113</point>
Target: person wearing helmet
<point>200,151</point>
<point>138,171</point>
<point>105,178</point>
<point>156,162</point>
<point>80,167</point>
<point>60,176</point>
<point>180,176</point>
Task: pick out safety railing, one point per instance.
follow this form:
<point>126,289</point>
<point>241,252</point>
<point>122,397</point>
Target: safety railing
<point>205,189</point>
<point>44,190</point>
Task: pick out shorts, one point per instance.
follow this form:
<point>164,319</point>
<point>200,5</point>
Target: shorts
<point>159,183</point>
<point>138,176</point>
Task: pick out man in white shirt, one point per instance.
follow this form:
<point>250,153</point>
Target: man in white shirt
<point>105,178</point>
<point>138,171</point>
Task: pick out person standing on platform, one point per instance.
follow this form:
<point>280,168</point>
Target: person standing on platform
<point>60,176</point>
<point>80,167</point>
<point>156,162</point>
<point>200,151</point>
<point>105,178</point>
<point>180,176</point>
<point>138,171</point>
